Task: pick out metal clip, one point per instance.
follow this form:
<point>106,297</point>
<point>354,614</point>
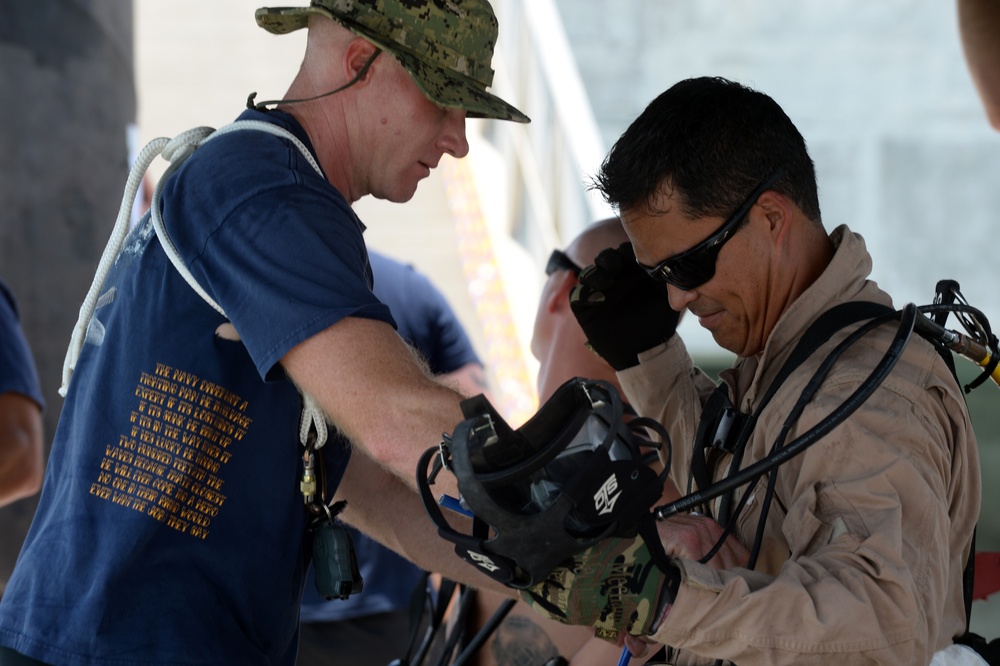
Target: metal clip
<point>488,426</point>
<point>444,456</point>
<point>722,438</point>
<point>308,484</point>
<point>595,405</point>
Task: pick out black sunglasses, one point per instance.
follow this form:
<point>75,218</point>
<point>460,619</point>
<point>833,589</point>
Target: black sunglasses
<point>558,261</point>
<point>696,266</point>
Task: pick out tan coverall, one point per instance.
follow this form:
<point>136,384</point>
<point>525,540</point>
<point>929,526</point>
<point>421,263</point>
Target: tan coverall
<point>870,528</point>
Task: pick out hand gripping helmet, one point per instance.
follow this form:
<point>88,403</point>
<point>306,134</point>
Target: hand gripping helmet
<point>574,474</point>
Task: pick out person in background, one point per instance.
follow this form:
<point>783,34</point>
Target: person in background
<point>21,404</point>
<point>523,638</point>
<point>373,627</point>
<point>979,29</point>
<point>175,523</point>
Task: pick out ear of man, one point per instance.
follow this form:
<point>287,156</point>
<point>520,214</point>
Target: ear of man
<point>356,57</point>
<point>774,209</point>
<point>558,297</point>
<point>801,244</point>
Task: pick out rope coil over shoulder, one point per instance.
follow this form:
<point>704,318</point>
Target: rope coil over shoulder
<point>175,151</point>
<point>573,475</point>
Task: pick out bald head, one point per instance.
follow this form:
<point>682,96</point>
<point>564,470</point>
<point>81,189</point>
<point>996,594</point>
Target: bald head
<point>598,236</point>
<point>557,340</point>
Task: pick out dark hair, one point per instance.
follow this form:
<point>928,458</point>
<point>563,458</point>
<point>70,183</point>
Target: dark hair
<point>714,141</point>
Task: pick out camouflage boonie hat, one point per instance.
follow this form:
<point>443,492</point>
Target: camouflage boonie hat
<point>445,45</point>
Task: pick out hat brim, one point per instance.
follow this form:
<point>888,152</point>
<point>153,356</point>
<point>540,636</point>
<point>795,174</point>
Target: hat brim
<point>441,86</point>
<point>283,20</point>
<point>454,91</point>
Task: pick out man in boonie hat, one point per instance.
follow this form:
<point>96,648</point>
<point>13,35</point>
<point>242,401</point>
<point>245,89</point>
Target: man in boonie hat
<point>445,46</point>
<point>178,515</point>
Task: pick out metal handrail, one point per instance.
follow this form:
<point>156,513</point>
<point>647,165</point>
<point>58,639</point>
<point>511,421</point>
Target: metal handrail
<point>524,190</point>
<point>548,163</point>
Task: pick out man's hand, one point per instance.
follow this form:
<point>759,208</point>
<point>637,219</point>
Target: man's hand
<point>613,586</point>
<point>617,588</point>
<point>691,536</point>
<point>621,309</point>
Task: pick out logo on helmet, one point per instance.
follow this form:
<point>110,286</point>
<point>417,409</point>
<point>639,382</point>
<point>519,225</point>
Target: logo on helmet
<point>483,561</point>
<point>605,498</point>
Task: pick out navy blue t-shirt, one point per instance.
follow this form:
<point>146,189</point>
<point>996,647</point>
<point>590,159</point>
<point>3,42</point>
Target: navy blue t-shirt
<point>17,367</point>
<point>428,324</point>
<point>170,528</point>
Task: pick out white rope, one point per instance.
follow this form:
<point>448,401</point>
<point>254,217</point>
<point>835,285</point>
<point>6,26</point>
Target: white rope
<point>175,151</point>
<point>262,126</point>
<point>111,250</point>
<point>179,149</point>
<point>313,416</point>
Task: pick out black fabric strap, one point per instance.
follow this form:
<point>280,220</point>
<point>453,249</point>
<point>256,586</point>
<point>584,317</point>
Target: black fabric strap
<point>821,330</point>
<point>969,581</point>
<point>818,333</point>
<point>945,291</point>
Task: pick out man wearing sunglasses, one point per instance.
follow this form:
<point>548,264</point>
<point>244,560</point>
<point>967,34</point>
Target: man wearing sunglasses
<point>858,544</point>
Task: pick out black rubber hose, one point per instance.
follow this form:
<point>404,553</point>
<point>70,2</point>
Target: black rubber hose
<point>807,439</point>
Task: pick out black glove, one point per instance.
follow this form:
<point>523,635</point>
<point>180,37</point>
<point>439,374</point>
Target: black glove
<point>622,310</point>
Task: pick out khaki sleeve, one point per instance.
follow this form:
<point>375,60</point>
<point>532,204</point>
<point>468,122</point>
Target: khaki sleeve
<point>871,555</point>
<point>667,387</point>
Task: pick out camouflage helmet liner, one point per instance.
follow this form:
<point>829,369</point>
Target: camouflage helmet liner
<point>445,45</point>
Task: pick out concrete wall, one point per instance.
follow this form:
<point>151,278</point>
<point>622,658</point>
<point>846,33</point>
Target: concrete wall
<point>880,91</point>
<point>66,73</point>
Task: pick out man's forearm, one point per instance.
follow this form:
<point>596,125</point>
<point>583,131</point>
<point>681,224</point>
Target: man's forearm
<point>386,509</point>
<point>377,393</point>
<point>21,464</point>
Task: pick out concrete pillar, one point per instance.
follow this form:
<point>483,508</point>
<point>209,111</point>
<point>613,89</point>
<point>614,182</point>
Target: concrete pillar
<point>67,76</point>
